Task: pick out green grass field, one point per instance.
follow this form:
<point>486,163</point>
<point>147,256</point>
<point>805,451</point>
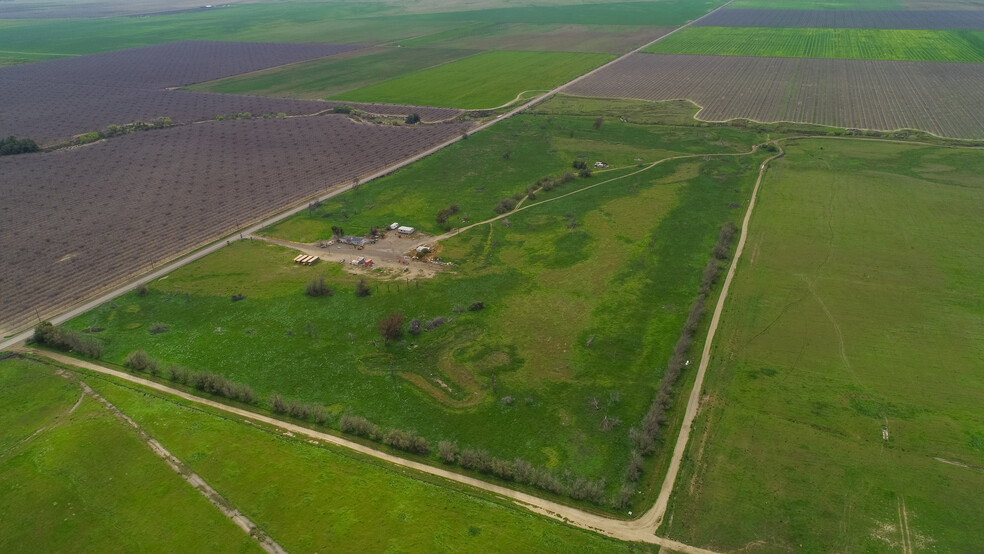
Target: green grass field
<point>619,263</point>
<point>336,22</point>
<point>856,307</point>
<point>86,482</point>
<point>537,147</point>
<point>320,499</point>
<point>326,77</point>
<point>484,81</point>
<point>369,23</point>
<point>865,44</point>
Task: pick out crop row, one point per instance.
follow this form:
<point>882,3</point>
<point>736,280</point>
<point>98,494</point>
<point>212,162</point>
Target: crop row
<point>169,65</point>
<point>48,112</point>
<point>846,19</point>
<point>74,221</point>
<point>942,98</point>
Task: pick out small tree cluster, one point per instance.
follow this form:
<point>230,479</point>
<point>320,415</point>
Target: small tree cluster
<point>391,327</point>
<point>362,288</point>
<point>476,306</point>
<point>414,327</point>
<point>138,360</point>
<point>358,425</point>
<point>579,164</point>
<point>318,287</point>
<point>408,441</point>
<point>724,241</point>
<point>412,119</point>
<point>12,145</point>
<point>67,339</point>
<point>118,130</point>
<point>445,214</point>
<point>299,410</point>
<point>447,451</point>
<point>505,205</point>
<point>158,328</point>
<point>435,323</point>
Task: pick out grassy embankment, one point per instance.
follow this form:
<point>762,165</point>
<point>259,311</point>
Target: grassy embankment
<point>860,44</point>
<point>87,482</point>
<point>618,264</point>
<point>856,308</point>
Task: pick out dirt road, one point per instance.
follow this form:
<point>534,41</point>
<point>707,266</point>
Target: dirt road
<point>85,306</point>
<point>654,517</point>
<point>623,530</point>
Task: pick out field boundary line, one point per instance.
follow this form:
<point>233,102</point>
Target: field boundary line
<point>658,511</point>
<point>791,122</point>
<point>615,528</point>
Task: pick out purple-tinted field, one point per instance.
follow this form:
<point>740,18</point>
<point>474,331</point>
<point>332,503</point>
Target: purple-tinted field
<point>169,65</point>
<point>942,98</point>
<point>55,100</point>
<point>51,112</point>
<point>73,222</point>
<point>846,19</point>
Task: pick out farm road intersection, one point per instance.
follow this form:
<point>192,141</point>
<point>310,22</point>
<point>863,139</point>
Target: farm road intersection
<point>642,529</point>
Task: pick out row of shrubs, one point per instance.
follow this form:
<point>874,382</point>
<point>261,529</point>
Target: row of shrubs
<point>644,439</point>
<point>521,471</point>
<point>66,339</point>
<point>408,441</point>
<point>299,410</point>
<point>118,130</point>
<point>518,470</point>
<point>205,381</point>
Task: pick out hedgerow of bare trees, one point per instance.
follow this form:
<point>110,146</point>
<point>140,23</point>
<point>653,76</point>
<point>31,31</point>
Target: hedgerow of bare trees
<point>644,439</point>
